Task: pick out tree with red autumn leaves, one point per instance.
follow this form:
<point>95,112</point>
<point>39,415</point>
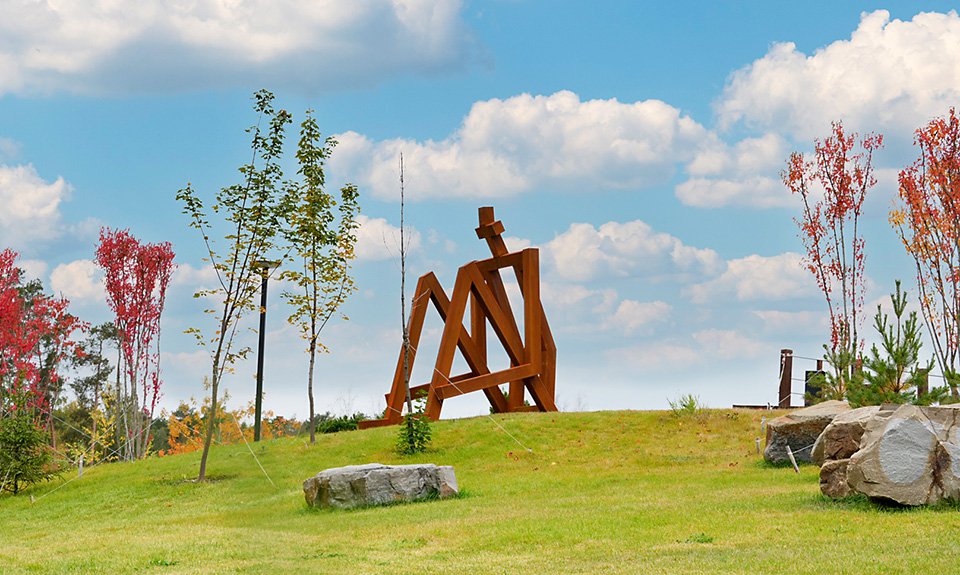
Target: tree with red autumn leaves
<point>833,186</point>
<point>928,222</point>
<point>136,276</point>
<point>35,336</point>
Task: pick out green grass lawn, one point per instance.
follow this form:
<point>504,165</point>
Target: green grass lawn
<point>606,492</point>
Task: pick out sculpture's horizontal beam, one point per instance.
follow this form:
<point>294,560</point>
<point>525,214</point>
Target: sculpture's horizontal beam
<point>476,383</point>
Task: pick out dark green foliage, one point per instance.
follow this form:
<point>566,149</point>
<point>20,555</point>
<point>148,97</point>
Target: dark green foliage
<point>72,422</point>
<point>159,435</point>
<point>895,375</point>
<point>328,423</point>
<point>25,457</point>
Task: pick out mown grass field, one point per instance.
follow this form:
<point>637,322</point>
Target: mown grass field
<point>606,492</point>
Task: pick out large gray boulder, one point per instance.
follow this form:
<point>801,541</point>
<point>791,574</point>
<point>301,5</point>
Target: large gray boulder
<point>841,438</point>
<point>378,484</point>
<point>911,457</point>
<point>800,429</point>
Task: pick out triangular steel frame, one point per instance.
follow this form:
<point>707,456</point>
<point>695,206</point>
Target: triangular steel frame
<point>533,355</point>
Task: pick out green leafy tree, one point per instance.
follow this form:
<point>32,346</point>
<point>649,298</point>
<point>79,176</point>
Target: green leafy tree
<point>25,456</point>
<point>253,212</point>
<point>321,231</point>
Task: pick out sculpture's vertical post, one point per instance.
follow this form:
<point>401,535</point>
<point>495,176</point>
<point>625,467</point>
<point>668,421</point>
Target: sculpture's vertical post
<point>532,323</point>
<point>786,377</point>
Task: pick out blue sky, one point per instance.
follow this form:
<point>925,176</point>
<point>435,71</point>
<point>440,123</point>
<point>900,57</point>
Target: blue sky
<point>638,144</point>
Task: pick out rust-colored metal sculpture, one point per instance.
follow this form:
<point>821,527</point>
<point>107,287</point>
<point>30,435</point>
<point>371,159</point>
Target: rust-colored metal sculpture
<point>532,357</point>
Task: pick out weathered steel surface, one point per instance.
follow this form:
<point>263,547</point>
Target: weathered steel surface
<point>479,287</point>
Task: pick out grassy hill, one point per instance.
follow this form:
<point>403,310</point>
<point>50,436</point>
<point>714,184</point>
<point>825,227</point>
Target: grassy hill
<point>607,492</point>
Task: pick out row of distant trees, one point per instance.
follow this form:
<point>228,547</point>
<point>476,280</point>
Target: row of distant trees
<point>40,340</point>
<point>833,185</point>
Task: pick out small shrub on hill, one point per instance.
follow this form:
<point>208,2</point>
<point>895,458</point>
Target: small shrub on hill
<point>686,405</point>
<point>415,431</point>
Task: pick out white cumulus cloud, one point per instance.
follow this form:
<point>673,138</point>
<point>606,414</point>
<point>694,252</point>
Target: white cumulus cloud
<point>508,147</point>
<point>757,277</point>
<point>888,74</point>
<point>29,205</point>
<point>102,46</point>
<point>79,280</point>
<point>743,174</point>
<point>751,191</point>
<point>615,249</point>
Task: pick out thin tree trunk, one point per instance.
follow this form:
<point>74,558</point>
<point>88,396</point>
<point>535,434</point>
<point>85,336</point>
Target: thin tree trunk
<point>96,398</point>
<point>403,301</point>
<point>212,416</point>
<point>313,351</point>
<point>122,402</point>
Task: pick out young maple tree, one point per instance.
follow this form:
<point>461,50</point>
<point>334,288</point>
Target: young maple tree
<point>321,231</point>
<point>253,212</point>
<point>833,186</point>
<point>928,222</point>
<point>136,276</point>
